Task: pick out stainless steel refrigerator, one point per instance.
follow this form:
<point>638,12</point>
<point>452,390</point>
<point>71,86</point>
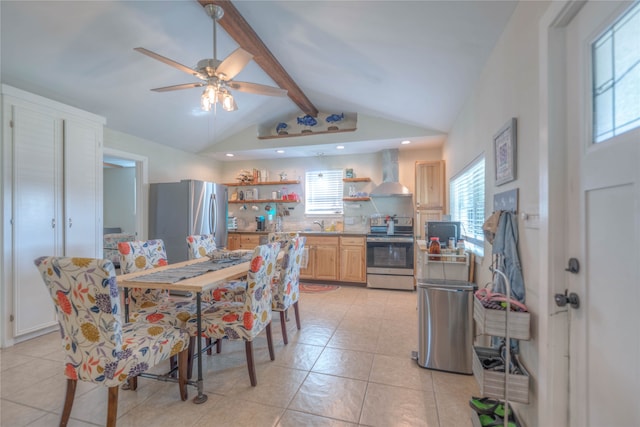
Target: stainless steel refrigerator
<point>179,209</point>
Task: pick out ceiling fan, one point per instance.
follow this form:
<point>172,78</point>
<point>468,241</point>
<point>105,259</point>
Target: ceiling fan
<point>216,75</point>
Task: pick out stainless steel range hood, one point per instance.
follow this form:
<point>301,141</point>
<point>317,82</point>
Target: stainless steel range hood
<point>390,186</point>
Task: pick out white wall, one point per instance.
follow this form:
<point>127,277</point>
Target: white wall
<point>508,87</point>
<point>166,164</point>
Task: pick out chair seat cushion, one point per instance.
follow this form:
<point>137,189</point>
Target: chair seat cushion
<point>230,320</point>
<point>231,291</point>
<point>170,312</point>
<point>143,346</point>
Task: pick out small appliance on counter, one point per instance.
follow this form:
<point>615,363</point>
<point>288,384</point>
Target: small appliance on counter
<point>260,224</point>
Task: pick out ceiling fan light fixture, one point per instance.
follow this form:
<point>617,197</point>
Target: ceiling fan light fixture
<point>228,103</point>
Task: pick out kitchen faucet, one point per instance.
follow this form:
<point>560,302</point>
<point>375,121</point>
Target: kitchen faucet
<point>320,223</point>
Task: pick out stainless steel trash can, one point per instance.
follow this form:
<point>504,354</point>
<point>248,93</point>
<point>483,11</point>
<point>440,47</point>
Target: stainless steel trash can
<point>445,316</point>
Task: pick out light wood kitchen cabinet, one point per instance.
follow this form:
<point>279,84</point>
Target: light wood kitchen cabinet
<point>53,188</point>
<point>233,241</point>
<point>429,194</point>
<point>353,259</point>
<point>249,241</point>
<point>323,261</point>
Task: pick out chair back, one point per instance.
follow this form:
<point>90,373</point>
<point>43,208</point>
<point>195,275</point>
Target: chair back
<point>257,303</point>
<point>200,245</point>
<point>87,303</point>
<point>281,237</point>
<point>286,291</point>
<point>142,255</point>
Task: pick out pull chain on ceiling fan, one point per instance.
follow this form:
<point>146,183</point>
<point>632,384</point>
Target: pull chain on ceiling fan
<point>216,75</point>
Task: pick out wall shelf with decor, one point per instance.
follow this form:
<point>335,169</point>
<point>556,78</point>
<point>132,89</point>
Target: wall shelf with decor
<point>263,201</point>
<point>356,198</point>
<point>251,184</point>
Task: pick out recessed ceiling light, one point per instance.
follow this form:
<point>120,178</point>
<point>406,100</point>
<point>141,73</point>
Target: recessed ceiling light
<point>229,154</point>
<point>340,147</point>
<point>279,151</point>
<point>405,142</point>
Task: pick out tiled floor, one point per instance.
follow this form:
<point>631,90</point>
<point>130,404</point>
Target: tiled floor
<point>350,365</point>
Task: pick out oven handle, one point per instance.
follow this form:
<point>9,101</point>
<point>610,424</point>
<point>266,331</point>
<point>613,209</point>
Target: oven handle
<point>389,239</point>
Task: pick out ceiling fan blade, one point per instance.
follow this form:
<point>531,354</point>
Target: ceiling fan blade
<point>234,63</point>
<point>257,88</point>
<point>170,62</point>
<point>178,87</point>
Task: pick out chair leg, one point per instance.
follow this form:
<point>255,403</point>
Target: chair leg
<point>208,343</point>
<point>248,345</point>
<point>272,355</point>
<point>183,366</point>
<point>68,401</point>
<point>112,409</point>
<point>219,345</point>
<point>297,313</point>
<point>133,383</point>
<point>283,324</point>
<point>191,350</point>
<point>172,364</point>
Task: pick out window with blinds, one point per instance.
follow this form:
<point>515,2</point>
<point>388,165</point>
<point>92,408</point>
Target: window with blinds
<point>466,191</point>
<point>323,192</point>
<point>616,78</point>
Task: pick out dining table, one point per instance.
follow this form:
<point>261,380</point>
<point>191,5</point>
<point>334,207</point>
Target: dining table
<point>195,276</point>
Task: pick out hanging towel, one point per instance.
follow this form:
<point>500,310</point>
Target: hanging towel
<point>505,245</point>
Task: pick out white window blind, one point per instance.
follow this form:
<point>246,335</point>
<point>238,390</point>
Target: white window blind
<point>467,203</point>
<point>616,77</point>
<point>323,192</point>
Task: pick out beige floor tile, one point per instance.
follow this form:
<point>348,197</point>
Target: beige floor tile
<point>297,355</point>
<point>298,419</point>
<point>54,419</point>
<point>276,386</point>
<point>313,335</point>
<point>16,415</point>
<point>344,363</point>
<point>357,341</point>
<point>386,405</point>
<point>400,372</point>
<point>27,374</point>
<point>330,396</point>
<point>231,412</point>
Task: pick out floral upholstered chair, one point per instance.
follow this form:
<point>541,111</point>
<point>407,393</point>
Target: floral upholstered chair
<point>281,237</point>
<point>201,246</point>
<point>286,290</point>
<point>100,348</point>
<point>245,320</point>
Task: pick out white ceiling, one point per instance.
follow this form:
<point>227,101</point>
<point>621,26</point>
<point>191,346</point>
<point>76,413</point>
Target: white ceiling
<point>409,64</point>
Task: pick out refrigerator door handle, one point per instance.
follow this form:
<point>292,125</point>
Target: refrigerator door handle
<point>213,217</point>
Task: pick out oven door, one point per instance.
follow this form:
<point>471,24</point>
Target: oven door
<point>390,255</point>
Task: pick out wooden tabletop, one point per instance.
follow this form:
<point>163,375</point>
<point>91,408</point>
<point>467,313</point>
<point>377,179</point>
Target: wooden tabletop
<point>200,283</point>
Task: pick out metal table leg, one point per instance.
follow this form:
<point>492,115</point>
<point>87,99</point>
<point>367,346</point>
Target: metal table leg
<point>201,397</point>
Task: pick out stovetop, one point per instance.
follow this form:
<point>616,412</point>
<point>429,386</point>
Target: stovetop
<point>379,227</point>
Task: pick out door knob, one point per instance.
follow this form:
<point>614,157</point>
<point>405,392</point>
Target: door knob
<point>563,299</point>
<point>573,266</point>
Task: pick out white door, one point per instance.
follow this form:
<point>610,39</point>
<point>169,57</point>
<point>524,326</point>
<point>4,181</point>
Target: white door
<point>603,232</point>
<point>37,141</point>
<point>82,188</point>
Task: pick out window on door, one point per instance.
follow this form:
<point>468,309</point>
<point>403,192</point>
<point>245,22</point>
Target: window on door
<point>323,192</point>
<point>466,204</point>
<point>616,77</point>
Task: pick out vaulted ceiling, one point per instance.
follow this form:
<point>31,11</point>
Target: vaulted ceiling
<point>404,67</point>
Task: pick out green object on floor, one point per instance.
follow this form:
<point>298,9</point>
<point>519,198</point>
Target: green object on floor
<point>487,406</point>
<point>494,421</point>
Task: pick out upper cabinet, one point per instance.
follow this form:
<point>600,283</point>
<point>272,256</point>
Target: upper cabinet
<point>53,193</point>
<point>429,188</point>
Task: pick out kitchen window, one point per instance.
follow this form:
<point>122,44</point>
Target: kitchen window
<point>323,192</point>
<point>466,205</point>
<point>616,77</point>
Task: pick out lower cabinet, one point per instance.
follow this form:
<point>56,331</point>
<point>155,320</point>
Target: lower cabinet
<point>233,241</point>
<point>353,259</point>
<point>242,241</point>
<point>322,263</point>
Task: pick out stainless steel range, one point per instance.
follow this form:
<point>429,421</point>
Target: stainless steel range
<point>390,253</point>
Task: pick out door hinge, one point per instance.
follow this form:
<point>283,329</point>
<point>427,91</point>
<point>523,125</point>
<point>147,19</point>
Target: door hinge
<point>11,123</point>
<point>11,318</point>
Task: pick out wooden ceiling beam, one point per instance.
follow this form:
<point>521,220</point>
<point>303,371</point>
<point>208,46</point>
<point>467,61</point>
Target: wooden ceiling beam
<point>240,30</point>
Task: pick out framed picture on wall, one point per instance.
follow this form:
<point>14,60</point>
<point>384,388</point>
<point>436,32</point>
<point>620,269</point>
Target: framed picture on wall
<point>504,149</point>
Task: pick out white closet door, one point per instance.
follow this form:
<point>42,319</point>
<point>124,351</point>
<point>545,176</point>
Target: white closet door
<point>36,213</point>
<point>82,188</point>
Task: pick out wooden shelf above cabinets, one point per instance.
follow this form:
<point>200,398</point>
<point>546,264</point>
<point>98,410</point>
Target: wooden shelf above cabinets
<point>366,179</point>
<point>252,184</point>
<point>264,201</point>
<point>356,199</point>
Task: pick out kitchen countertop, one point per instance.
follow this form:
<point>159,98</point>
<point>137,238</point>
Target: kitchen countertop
<point>308,233</point>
